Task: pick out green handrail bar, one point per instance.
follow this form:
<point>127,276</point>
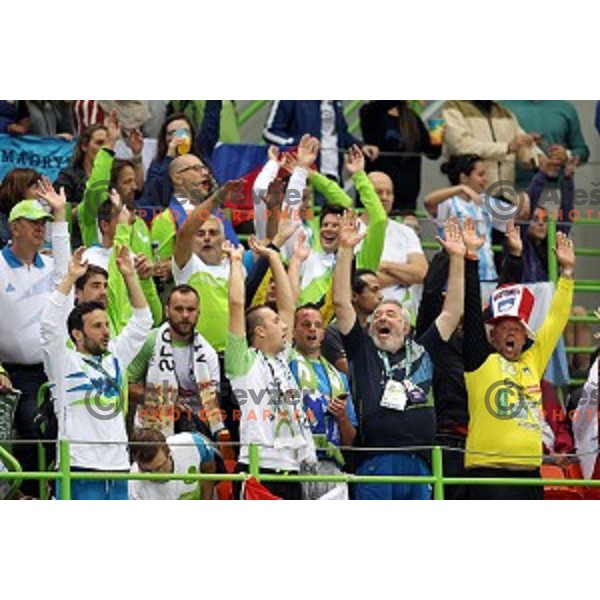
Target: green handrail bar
<point>580,349</point>
<point>65,470</point>
<point>582,319</point>
<point>438,473</point>
<point>437,478</point>
<point>41,450</point>
<point>552,262</point>
<point>249,111</point>
<point>15,469</point>
<point>587,251</point>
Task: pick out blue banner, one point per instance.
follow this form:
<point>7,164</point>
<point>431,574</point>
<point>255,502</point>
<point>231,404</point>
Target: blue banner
<point>47,155</point>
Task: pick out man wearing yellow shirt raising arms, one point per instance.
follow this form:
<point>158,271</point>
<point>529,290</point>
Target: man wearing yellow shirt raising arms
<point>503,377</point>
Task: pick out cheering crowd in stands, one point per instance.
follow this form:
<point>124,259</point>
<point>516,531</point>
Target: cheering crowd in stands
<point>327,339</point>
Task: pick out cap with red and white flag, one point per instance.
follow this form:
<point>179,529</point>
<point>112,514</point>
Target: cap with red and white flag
<point>513,302</point>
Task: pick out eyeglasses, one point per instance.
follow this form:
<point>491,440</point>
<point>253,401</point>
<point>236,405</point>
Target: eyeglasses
<point>197,168</point>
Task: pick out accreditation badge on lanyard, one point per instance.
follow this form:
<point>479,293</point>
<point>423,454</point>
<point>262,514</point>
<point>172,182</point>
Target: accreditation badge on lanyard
<point>395,394</point>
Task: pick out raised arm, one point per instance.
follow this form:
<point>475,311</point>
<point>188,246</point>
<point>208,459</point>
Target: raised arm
<point>237,316</point>
<point>300,253</point>
<point>370,252</point>
<point>476,348</point>
<point>54,316</point>
<point>260,189</point>
<point>342,287</point>
<point>453,244</point>
<point>433,292</point>
<point>96,190</point>
<point>261,266</point>
<point>567,195</point>
<point>127,270</point>
<point>185,237</point>
<point>61,243</point>
<point>552,328</point>
<point>285,303</point>
<point>441,195</point>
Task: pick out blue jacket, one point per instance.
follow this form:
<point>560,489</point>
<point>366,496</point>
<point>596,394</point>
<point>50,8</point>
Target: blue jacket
<point>289,120</point>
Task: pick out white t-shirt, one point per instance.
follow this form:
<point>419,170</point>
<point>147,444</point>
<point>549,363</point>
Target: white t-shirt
<point>400,241</point>
<point>329,140</point>
<point>271,411</point>
<point>189,452</point>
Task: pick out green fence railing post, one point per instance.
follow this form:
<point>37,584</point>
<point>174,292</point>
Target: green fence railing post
<point>253,459</point>
<point>438,473</point>
<point>552,262</point>
<point>65,470</point>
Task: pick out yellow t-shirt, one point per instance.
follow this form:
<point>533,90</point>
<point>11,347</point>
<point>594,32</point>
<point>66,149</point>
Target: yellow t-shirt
<point>505,425</point>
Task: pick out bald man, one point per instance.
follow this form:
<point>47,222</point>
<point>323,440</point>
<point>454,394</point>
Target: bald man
<point>403,264</point>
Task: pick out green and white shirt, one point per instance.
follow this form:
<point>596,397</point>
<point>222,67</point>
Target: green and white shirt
<point>271,411</point>
<point>212,283</point>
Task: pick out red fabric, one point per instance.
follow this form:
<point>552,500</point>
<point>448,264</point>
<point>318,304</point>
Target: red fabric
<point>253,490</point>
<point>242,209</point>
<point>86,113</point>
<point>556,417</point>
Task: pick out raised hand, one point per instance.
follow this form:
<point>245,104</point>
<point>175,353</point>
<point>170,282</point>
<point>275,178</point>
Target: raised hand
<point>143,266</point>
<point>349,234</point>
<point>301,250</point>
<point>355,160</point>
<point>57,201</point>
<point>124,262</point>
<point>289,162</point>
<point>473,241</point>
<point>274,154</point>
<point>286,226</point>
<point>119,208</point>
<point>275,194</point>
<point>453,242</point>
<point>231,191</point>
<point>233,252</point>
<point>308,150</point>
<point>259,247</point>
<point>565,252</point>
<point>77,266</point>
<point>514,243</point>
<point>135,140</point>
<point>113,129</point>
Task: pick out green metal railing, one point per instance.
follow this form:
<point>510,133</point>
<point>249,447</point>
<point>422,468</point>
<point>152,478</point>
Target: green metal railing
<point>65,476</point>
<point>15,471</point>
<point>249,111</point>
